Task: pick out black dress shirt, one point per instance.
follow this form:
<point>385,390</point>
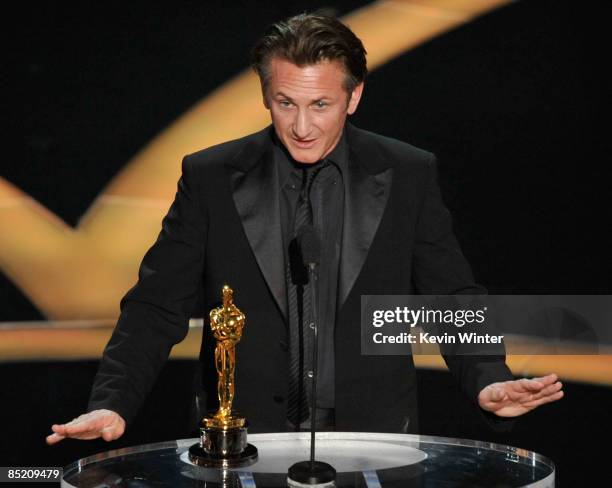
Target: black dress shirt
<point>327,200</point>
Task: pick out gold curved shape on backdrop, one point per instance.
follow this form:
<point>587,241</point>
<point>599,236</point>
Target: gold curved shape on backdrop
<point>82,272</point>
<point>74,340</point>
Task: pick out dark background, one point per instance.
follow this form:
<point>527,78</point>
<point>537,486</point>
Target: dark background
<point>514,104</point>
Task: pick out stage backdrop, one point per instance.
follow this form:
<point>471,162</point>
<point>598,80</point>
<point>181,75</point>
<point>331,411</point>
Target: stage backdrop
<point>505,94</point>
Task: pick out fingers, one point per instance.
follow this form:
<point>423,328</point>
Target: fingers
<point>532,399</point>
<point>87,430</point>
<point>548,391</point>
<point>78,427</point>
<point>538,390</point>
<point>100,423</point>
<point>546,399</point>
<point>554,388</point>
<point>549,379</point>
<point>54,439</point>
<point>533,385</point>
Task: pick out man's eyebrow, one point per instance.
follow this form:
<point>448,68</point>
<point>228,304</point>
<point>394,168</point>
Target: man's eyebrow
<point>320,99</point>
<point>281,94</point>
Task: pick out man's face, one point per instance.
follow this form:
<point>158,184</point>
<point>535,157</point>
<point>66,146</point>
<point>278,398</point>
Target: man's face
<point>308,106</point>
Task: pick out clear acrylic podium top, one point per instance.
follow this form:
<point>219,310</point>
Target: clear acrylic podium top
<point>367,460</point>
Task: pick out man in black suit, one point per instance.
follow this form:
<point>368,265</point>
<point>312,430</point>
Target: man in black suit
<point>375,206</point>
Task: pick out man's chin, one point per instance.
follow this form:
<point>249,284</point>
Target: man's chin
<point>304,157</point>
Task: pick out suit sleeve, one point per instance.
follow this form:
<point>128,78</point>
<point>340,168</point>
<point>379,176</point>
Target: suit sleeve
<point>155,312</point>
<point>441,269</point>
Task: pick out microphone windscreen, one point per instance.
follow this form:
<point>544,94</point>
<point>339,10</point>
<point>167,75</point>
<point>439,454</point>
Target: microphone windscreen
<point>310,244</point>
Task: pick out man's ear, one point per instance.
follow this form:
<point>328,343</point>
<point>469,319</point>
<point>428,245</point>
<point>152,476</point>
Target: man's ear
<point>354,99</point>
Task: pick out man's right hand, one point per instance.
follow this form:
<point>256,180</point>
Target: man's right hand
<point>99,423</point>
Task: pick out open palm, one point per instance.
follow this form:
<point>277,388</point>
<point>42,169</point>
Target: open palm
<point>514,398</point>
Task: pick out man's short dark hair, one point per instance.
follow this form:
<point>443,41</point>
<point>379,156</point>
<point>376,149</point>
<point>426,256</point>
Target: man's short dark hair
<point>307,39</point>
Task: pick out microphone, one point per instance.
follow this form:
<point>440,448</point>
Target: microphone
<point>310,245</point>
<point>311,472</point>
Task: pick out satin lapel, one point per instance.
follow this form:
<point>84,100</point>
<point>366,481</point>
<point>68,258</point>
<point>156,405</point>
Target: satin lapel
<point>254,186</point>
<point>366,192</point>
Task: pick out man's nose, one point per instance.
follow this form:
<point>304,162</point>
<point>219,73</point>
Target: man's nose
<point>302,124</point>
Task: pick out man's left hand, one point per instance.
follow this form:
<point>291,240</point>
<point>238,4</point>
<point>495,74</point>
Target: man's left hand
<point>514,398</point>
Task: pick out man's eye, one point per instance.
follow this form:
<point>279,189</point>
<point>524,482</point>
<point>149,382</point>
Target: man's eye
<point>320,104</point>
<point>285,103</point>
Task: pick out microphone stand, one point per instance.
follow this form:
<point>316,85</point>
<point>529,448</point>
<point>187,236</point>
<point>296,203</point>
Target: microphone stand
<point>313,414</point>
<point>312,472</point>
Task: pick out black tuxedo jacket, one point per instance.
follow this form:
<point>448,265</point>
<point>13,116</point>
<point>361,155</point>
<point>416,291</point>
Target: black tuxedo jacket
<point>224,227</point>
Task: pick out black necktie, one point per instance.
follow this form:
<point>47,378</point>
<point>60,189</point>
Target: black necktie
<point>299,304</point>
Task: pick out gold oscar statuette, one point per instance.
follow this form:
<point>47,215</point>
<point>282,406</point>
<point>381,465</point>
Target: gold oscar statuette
<point>223,435</point>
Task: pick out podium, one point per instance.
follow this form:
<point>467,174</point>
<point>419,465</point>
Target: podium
<point>368,460</point>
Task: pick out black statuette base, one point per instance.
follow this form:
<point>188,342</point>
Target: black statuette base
<point>200,457</point>
<point>223,448</point>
